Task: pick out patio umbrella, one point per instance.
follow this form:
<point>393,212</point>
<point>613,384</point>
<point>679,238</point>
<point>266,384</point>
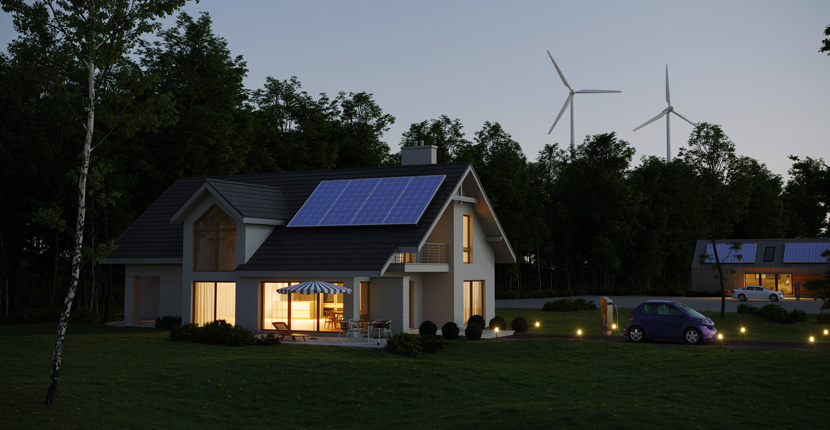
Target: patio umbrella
<point>314,287</point>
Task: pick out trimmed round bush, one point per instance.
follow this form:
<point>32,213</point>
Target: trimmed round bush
<point>478,319</point>
<point>561,305</point>
<point>519,325</point>
<point>427,327</point>
<point>431,343</point>
<point>450,330</point>
<point>498,322</point>
<point>473,331</point>
<point>404,344</point>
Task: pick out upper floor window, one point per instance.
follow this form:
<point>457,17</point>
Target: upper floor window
<point>467,241</point>
<point>214,242</point>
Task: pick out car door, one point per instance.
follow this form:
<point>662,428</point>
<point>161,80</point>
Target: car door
<point>674,323</point>
<point>662,322</point>
<point>757,293</point>
<point>648,319</point>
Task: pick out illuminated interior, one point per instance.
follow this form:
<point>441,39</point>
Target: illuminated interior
<point>772,281</point>
<point>214,301</point>
<point>473,299</point>
<point>467,254</point>
<point>302,312</point>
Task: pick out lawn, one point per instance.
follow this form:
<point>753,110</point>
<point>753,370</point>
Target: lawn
<point>137,378</point>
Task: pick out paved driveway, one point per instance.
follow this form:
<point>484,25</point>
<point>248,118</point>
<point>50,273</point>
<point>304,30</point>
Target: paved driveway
<point>699,303</point>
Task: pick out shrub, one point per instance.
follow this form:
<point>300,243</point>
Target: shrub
<point>215,332</point>
<point>561,305</point>
<point>519,325</point>
<point>431,343</point>
<point>798,315</point>
<point>746,309</point>
<point>498,322</point>
<point>186,333</point>
<point>473,331</point>
<point>823,318</point>
<point>581,304</point>
<point>167,322</point>
<point>450,330</point>
<point>404,344</point>
<point>427,327</point>
<point>775,313</point>
<point>478,319</point>
<point>268,340</point>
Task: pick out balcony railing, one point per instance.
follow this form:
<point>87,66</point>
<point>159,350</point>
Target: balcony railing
<point>431,253</point>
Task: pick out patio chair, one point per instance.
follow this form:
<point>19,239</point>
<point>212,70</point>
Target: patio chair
<point>284,331</point>
<point>346,327</point>
<point>382,329</point>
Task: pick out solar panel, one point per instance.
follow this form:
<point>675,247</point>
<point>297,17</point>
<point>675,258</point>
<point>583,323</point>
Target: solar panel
<point>805,252</point>
<point>378,201</point>
<point>727,255</point>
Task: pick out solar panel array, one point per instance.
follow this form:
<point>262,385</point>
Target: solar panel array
<point>805,252</point>
<point>376,201</point>
<point>727,255</point>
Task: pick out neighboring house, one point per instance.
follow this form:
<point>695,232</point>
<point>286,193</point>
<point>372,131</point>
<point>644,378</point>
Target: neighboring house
<point>416,242</point>
<point>776,264</point>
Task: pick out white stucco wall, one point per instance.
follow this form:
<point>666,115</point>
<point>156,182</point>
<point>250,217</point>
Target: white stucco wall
<point>143,280</point>
<point>481,269</point>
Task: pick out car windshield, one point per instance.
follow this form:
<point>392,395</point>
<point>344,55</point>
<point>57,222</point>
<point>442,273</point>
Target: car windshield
<point>691,312</point>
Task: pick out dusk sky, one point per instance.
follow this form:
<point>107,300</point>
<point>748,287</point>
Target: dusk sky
<point>752,67</point>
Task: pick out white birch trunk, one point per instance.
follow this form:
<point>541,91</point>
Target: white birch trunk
<point>79,239</point>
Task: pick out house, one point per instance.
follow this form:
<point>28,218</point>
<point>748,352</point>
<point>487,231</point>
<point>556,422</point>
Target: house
<point>415,242</point>
<point>776,264</point>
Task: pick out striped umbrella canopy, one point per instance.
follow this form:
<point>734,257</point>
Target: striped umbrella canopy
<point>314,287</point>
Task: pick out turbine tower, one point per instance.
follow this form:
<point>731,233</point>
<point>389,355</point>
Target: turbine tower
<point>666,112</point>
<point>570,99</point>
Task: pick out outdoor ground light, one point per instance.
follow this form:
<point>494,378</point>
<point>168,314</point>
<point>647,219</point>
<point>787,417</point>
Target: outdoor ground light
<point>812,339</point>
<point>537,328</point>
<point>825,335</point>
<point>720,338</point>
<point>743,333</point>
<point>579,332</point>
<point>497,332</point>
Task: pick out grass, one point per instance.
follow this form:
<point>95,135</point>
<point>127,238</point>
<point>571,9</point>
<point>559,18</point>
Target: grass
<point>128,378</point>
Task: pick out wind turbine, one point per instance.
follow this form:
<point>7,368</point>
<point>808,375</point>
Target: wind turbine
<point>570,100</point>
<point>666,112</point>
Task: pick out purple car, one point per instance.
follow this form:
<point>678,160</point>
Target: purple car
<point>670,320</point>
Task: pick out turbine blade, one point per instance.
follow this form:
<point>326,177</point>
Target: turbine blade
<point>596,91</point>
<point>660,115</point>
<point>565,106</point>
<point>681,116</point>
<point>564,81</point>
<point>668,97</point>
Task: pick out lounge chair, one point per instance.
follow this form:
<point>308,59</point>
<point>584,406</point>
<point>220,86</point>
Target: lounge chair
<point>284,331</point>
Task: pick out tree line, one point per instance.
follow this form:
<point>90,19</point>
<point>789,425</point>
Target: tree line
<point>582,219</point>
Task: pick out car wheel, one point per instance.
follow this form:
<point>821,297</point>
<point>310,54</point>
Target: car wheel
<point>636,334</point>
<point>691,336</point>
<point>773,298</point>
<point>741,297</point>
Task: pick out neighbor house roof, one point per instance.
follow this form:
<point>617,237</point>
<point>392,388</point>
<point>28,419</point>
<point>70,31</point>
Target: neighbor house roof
<point>363,249</point>
<point>764,253</point>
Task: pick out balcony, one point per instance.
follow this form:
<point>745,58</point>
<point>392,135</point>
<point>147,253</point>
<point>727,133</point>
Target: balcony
<point>433,257</point>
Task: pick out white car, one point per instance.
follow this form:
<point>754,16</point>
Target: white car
<point>757,292</point>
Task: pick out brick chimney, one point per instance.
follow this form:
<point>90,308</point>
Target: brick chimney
<point>418,153</point>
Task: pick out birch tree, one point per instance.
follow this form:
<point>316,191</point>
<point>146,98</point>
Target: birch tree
<point>99,34</point>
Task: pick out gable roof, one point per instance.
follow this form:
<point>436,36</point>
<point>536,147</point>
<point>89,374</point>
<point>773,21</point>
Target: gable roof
<point>363,249</point>
<point>766,253</point>
<point>249,203</point>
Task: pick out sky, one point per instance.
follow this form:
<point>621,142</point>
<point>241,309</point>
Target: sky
<point>752,67</point>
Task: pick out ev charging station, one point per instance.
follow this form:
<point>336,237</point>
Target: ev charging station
<point>608,323</point>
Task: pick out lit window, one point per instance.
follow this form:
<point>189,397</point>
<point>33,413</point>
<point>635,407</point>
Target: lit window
<point>473,299</point>
<point>467,252</point>
<point>214,242</point>
<point>214,301</point>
